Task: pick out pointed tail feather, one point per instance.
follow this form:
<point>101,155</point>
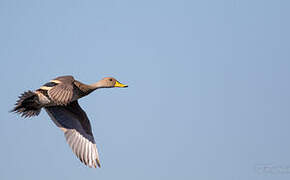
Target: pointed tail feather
<point>27,105</point>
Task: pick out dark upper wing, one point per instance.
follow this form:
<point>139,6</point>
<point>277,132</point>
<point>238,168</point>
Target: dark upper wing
<point>76,126</point>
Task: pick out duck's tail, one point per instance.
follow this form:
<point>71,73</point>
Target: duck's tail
<point>27,105</point>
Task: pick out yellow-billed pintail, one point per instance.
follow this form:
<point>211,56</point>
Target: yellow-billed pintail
<point>59,97</point>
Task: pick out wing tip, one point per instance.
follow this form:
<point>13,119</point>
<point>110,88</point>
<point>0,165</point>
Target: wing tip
<point>98,163</point>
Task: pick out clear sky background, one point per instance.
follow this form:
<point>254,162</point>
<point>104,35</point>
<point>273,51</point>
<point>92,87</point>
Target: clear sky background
<point>208,94</point>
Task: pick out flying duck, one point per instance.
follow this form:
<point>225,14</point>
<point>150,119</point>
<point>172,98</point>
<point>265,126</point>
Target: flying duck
<point>59,97</point>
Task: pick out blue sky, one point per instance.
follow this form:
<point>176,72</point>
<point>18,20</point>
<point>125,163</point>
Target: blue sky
<point>208,94</point>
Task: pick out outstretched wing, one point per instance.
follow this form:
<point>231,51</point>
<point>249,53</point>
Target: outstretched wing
<point>77,129</point>
<point>60,89</point>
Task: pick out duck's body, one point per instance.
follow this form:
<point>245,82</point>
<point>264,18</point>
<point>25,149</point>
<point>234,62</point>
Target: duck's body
<point>59,98</point>
<point>61,91</point>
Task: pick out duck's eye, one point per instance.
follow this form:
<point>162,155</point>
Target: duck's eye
<point>110,79</point>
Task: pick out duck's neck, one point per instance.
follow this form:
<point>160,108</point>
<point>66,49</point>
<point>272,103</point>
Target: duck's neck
<point>88,88</point>
<point>95,86</point>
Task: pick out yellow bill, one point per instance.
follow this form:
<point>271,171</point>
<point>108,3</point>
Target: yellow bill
<point>118,84</point>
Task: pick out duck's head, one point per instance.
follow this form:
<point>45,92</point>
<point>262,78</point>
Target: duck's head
<point>110,82</point>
